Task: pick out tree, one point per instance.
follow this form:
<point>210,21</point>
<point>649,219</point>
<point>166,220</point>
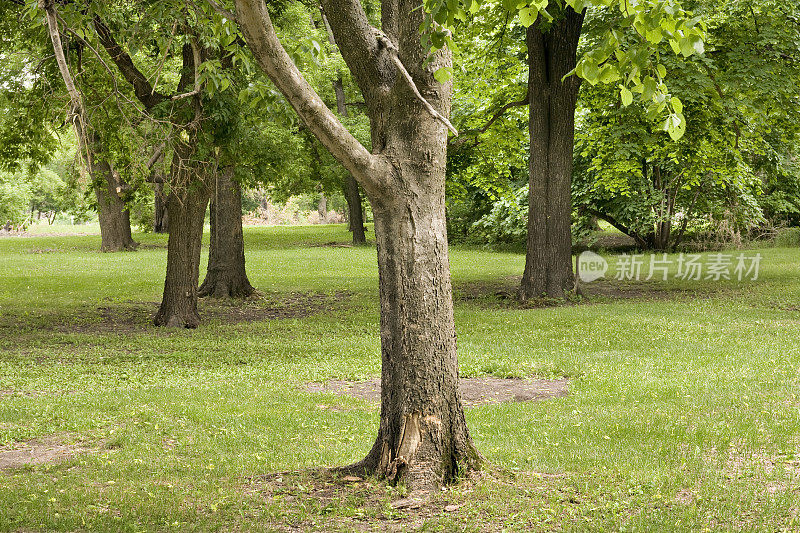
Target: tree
<point>552,47</point>
<point>422,438</point>
<point>352,194</point>
<point>554,29</point>
<point>115,223</point>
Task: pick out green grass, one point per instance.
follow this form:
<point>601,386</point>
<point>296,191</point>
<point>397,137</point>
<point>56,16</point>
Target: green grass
<point>683,412</point>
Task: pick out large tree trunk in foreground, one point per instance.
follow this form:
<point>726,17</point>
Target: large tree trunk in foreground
<point>355,211</point>
<point>551,55</point>
<point>160,214</point>
<point>114,217</point>
<point>186,205</point>
<point>423,438</point>
<point>226,276</point>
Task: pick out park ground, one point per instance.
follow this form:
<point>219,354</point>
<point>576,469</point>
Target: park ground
<point>682,411</point>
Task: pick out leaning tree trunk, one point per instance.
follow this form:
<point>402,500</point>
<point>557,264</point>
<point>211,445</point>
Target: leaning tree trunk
<point>160,215</point>
<point>355,211</point>
<point>226,276</point>
<point>186,206</point>
<point>551,55</point>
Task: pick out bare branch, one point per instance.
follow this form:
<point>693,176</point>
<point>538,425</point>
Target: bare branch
<point>145,92</point>
<point>257,27</point>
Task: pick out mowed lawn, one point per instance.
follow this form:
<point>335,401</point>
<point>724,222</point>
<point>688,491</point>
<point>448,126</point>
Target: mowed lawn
<point>683,410</point>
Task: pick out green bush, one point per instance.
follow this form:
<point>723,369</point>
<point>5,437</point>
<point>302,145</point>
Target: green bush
<point>788,237</point>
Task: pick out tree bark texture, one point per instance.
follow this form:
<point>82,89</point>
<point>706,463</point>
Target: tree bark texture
<point>114,217</point>
<point>551,55</point>
<point>226,276</point>
<point>422,438</point>
<point>186,208</point>
<point>355,211</point>
<point>160,215</point>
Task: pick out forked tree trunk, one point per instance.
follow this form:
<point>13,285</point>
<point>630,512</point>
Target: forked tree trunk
<point>355,211</point>
<point>114,217</point>
<point>551,55</point>
<point>226,276</point>
<point>186,205</point>
<point>160,215</point>
<point>423,438</point>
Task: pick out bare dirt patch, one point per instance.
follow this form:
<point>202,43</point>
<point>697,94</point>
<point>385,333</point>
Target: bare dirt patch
<point>502,293</point>
<point>474,391</point>
<point>128,317</point>
<point>45,450</point>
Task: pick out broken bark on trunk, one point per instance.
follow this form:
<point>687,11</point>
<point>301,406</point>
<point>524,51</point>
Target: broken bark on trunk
<point>226,276</point>
<point>551,55</point>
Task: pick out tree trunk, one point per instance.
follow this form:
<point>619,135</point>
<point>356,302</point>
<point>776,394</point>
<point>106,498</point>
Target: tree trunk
<point>423,438</point>
<point>186,207</point>
<point>114,217</point>
<point>322,209</point>
<point>226,276</point>
<point>160,214</point>
<point>355,211</point>
<point>551,55</point>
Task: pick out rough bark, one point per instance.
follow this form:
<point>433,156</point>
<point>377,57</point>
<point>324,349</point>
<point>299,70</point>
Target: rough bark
<point>160,215</point>
<point>114,217</point>
<point>355,211</point>
<point>423,438</point>
<point>551,55</point>
<point>186,207</point>
<point>226,276</point>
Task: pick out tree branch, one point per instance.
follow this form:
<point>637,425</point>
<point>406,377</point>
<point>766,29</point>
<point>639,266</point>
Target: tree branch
<point>355,38</point>
<point>144,91</point>
<point>222,11</point>
<point>457,143</point>
<point>624,229</point>
<point>262,40</point>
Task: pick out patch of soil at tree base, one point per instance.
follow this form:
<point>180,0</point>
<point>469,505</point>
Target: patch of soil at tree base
<point>474,391</point>
<point>503,293</point>
<point>381,507</point>
<point>129,317</point>
<point>45,450</point>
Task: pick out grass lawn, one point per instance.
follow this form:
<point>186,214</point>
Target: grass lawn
<point>683,410</point>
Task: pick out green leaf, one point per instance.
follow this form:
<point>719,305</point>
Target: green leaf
<point>528,15</point>
<point>626,95</point>
<point>677,105</point>
<point>444,74</point>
